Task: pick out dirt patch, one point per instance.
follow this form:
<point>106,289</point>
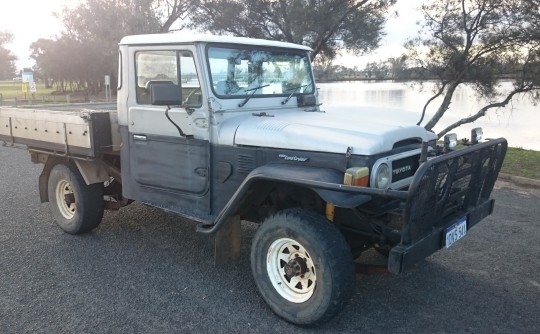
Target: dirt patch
<point>503,184</point>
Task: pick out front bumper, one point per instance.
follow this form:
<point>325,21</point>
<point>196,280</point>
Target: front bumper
<point>403,257</point>
<point>445,190</point>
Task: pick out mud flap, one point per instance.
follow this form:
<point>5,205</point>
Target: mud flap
<point>227,241</point>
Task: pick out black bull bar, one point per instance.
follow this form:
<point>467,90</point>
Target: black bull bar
<point>446,189</point>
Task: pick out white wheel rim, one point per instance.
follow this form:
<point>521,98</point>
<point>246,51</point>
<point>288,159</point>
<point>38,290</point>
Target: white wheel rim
<point>65,199</point>
<point>287,255</point>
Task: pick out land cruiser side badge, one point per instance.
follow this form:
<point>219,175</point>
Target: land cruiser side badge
<point>293,158</point>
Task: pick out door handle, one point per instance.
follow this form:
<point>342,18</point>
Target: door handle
<point>139,137</point>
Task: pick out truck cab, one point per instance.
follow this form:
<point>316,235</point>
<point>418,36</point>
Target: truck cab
<point>238,104</point>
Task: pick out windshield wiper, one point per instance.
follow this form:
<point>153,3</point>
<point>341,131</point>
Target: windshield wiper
<point>293,91</point>
<point>253,90</point>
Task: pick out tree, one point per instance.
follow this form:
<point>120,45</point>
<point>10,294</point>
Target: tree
<point>324,25</point>
<point>69,64</point>
<point>476,42</point>
<point>377,70</point>
<point>49,60</point>
<point>170,11</point>
<point>398,67</point>
<point>98,26</point>
<point>88,48</point>
<point>7,59</point>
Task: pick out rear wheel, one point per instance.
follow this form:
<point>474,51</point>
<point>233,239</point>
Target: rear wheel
<point>302,266</point>
<point>76,206</point>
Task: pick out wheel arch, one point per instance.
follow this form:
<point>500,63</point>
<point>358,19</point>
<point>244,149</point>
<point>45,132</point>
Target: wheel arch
<point>91,171</point>
<point>313,178</point>
<point>48,164</point>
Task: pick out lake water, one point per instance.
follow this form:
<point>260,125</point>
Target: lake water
<point>519,122</point>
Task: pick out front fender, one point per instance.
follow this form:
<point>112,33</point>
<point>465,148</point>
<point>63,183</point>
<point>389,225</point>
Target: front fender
<point>327,183</point>
<point>312,178</point>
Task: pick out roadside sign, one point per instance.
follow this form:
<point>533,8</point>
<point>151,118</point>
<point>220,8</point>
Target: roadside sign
<point>33,87</point>
<point>28,76</point>
<point>24,87</point>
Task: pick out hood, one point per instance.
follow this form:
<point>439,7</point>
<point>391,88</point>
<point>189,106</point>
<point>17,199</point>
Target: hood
<point>325,132</point>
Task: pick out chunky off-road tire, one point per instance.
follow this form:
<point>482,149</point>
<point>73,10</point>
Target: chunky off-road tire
<point>302,266</point>
<point>76,206</point>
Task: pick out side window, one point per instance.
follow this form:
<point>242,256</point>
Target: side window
<point>167,67</point>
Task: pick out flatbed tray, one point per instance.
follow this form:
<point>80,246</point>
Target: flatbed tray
<point>74,129</point>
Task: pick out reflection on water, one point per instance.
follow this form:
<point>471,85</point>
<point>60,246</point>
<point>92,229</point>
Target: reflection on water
<point>519,122</point>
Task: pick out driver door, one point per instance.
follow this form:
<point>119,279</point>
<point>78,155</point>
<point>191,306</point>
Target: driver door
<point>161,160</point>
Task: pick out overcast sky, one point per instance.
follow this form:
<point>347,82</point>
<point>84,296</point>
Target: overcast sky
<point>30,20</point>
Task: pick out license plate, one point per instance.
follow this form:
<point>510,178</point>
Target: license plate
<point>455,232</point>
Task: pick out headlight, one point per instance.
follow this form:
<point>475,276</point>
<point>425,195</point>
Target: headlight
<point>383,176</point>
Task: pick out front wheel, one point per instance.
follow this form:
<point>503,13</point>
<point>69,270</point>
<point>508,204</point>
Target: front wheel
<point>76,206</point>
<point>302,266</point>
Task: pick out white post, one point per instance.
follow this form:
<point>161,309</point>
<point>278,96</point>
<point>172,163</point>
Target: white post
<point>108,88</point>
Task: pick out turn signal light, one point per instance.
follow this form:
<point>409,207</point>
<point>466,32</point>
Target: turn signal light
<point>356,176</point>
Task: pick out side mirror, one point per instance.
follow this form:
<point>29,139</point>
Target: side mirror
<point>164,94</point>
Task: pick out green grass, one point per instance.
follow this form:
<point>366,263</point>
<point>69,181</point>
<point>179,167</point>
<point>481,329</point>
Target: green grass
<point>13,89</point>
<point>518,162</point>
<point>522,162</point>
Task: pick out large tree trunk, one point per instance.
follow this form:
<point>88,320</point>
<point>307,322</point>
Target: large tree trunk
<point>445,104</point>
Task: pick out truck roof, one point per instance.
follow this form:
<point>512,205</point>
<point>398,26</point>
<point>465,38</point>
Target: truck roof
<point>183,37</point>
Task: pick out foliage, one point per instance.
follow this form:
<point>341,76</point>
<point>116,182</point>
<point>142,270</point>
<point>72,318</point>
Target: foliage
<point>69,64</point>
<point>474,42</point>
<point>7,59</point>
<point>377,70</point>
<point>398,67</point>
<point>327,71</point>
<point>88,48</point>
<point>325,26</point>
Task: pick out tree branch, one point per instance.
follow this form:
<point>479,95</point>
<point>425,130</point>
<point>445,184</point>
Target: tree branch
<point>319,42</point>
<point>482,112</point>
<point>439,93</point>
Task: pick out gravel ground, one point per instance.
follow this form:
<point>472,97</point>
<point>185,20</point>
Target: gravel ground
<point>146,271</point>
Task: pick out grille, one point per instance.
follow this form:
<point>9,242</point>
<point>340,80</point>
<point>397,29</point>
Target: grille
<point>404,168</point>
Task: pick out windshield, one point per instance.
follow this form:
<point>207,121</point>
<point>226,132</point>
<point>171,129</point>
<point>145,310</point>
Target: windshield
<point>240,72</point>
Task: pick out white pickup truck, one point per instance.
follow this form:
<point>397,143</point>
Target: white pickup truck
<point>223,129</point>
